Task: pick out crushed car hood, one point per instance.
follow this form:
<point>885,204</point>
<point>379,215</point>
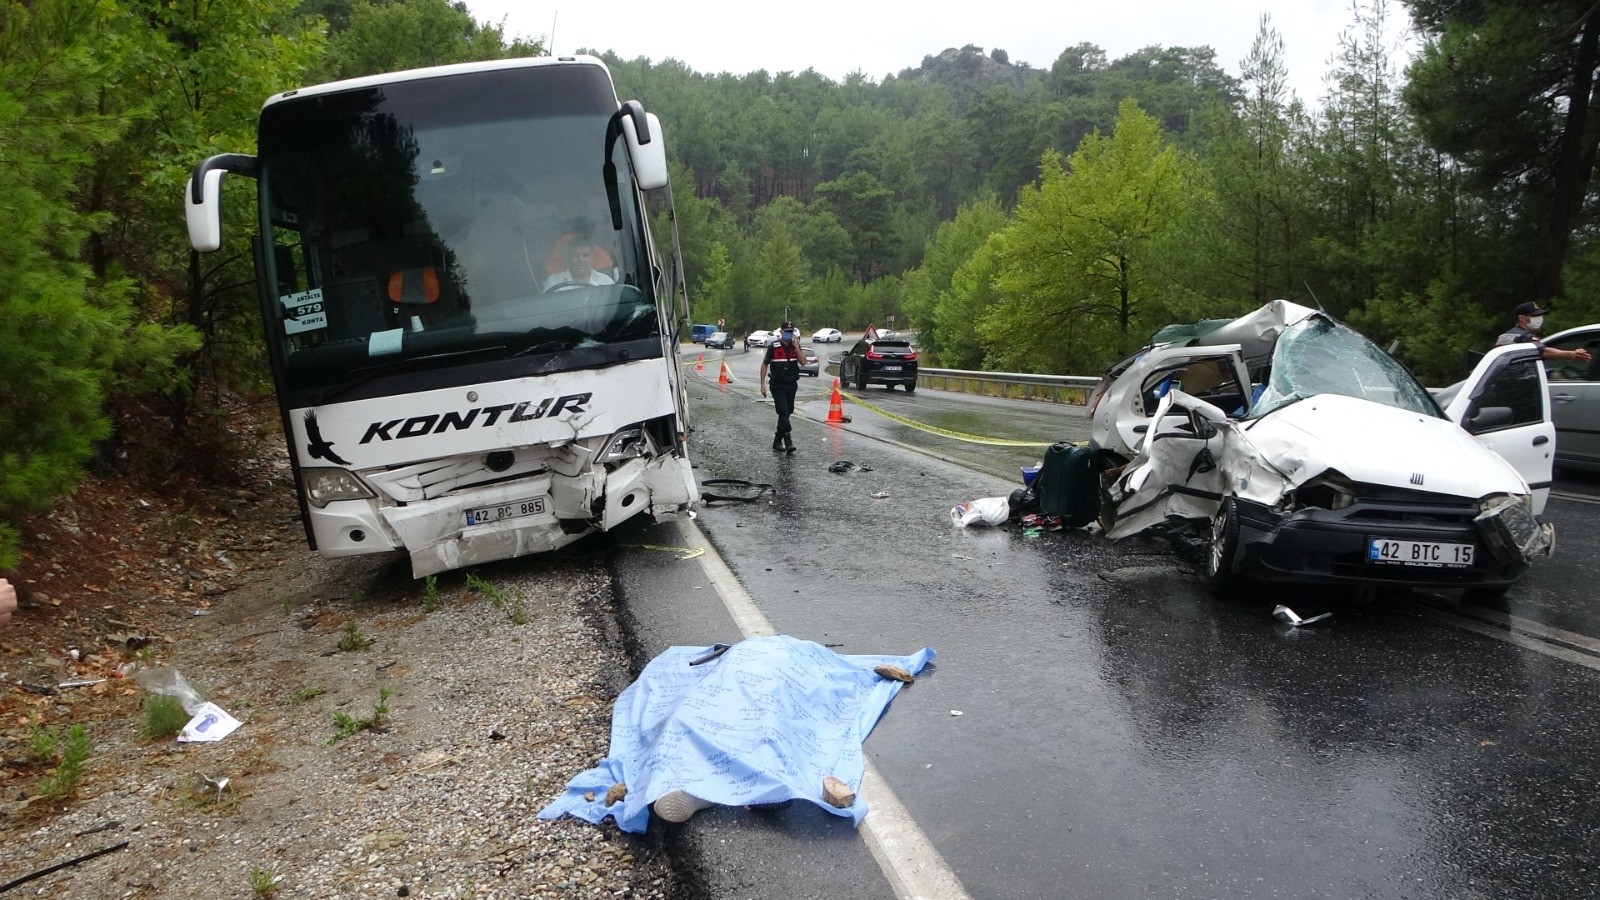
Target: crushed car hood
<point>1371,443</point>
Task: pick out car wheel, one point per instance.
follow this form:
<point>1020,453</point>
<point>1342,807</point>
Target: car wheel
<point>861,380</point>
<point>911,388</point>
<point>1223,547</point>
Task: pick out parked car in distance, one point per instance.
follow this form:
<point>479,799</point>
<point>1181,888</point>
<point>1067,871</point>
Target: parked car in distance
<point>1575,398</point>
<point>719,340</point>
<point>757,339</point>
<point>827,336</point>
<point>810,363</point>
<point>1293,449</point>
<point>885,361</point>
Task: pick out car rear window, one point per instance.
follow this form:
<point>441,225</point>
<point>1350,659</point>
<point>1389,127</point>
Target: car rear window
<point>892,345</point>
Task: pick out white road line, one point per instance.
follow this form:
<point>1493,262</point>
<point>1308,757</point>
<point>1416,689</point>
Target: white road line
<point>1576,498</point>
<point>1537,630</point>
<point>904,853</point>
<point>1519,639</point>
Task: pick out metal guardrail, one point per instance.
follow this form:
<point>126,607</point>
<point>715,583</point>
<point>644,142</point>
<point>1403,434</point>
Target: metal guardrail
<point>1069,389</point>
<point>1072,389</point>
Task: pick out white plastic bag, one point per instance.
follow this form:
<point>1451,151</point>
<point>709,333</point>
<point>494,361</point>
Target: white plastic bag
<point>986,511</point>
<point>168,683</point>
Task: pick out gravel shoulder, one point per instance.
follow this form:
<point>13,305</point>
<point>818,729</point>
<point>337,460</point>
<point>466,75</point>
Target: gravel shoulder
<point>495,697</point>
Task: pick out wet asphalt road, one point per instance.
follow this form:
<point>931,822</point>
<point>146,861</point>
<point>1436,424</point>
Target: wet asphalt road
<point>1122,732</point>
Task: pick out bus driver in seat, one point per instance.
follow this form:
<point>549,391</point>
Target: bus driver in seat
<point>580,256</point>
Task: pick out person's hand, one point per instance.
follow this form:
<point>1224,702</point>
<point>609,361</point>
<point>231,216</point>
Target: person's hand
<point>8,601</point>
<point>1581,355</point>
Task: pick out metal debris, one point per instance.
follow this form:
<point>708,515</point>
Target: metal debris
<point>218,783</point>
<point>1285,614</point>
<point>845,465</point>
<point>751,491</point>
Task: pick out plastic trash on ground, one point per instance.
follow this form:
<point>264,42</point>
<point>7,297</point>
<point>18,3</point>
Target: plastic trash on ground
<point>987,511</point>
<point>169,682</point>
<point>768,720</point>
<point>208,722</point>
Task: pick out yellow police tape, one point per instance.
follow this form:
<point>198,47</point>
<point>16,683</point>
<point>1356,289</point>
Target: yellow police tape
<point>934,429</point>
<point>909,423</point>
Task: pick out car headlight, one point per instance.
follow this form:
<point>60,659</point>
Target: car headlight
<point>626,444</point>
<point>324,486</point>
<point>1326,492</point>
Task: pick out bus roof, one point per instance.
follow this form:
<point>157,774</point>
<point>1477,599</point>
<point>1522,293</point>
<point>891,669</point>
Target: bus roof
<point>366,81</point>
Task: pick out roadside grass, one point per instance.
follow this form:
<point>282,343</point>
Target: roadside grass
<point>263,882</point>
<point>430,593</point>
<point>515,608</point>
<point>307,693</point>
<point>164,717</point>
<point>352,639</point>
<point>69,752</point>
<point>349,726</point>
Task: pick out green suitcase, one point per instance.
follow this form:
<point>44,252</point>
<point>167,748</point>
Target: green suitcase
<point>1068,484</point>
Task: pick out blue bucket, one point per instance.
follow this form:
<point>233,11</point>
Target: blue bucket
<point>1028,474</point>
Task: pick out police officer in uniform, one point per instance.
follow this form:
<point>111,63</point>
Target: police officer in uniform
<point>780,369</point>
<point>1530,318</point>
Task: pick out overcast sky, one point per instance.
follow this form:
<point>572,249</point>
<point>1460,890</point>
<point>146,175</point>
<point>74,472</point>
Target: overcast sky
<point>878,39</point>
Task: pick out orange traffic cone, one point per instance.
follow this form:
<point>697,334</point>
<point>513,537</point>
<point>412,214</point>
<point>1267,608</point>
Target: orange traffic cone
<point>725,377</point>
<point>836,405</point>
<point>700,363</point>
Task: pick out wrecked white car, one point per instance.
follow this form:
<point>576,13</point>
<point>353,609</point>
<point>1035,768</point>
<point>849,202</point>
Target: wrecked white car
<point>1293,449</point>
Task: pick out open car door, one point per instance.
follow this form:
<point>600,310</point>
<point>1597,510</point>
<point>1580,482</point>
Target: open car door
<point>1505,404</point>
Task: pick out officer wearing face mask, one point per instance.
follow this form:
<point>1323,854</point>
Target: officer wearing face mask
<point>1530,318</point>
<point>782,364</point>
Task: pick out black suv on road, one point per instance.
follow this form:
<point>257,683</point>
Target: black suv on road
<point>885,361</point>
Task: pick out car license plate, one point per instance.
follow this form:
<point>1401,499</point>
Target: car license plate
<point>485,515</point>
<point>1419,553</point>
<point>891,368</point>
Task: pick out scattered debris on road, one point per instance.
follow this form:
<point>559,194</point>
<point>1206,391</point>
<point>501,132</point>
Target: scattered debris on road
<point>1285,614</point>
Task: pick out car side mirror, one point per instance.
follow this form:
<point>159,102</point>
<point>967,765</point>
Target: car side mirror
<point>1489,418</point>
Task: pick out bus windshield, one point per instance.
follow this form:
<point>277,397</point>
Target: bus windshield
<point>463,218</point>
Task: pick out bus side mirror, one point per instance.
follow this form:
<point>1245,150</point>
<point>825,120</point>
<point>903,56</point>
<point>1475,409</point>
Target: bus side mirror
<point>202,200</point>
<point>650,158</point>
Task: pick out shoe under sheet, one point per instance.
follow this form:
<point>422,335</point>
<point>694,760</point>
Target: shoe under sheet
<point>766,721</point>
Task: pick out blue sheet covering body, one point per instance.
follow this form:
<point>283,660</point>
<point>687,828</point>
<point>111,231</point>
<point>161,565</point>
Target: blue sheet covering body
<point>764,722</point>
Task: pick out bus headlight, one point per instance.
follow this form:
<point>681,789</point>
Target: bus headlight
<point>323,486</point>
<point>626,444</point>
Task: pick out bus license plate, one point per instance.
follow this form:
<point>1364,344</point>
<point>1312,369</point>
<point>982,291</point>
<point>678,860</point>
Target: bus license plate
<point>1419,553</point>
<point>485,515</point>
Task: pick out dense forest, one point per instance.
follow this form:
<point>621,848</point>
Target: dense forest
<point>1018,218</point>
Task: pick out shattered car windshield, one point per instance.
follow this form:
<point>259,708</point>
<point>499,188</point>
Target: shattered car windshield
<point>1320,356</point>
